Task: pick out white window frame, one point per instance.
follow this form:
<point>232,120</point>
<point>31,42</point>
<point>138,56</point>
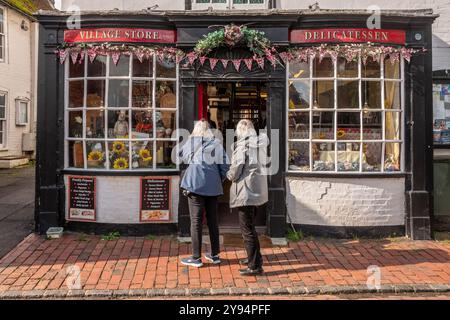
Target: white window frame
<point>336,141</point>
<point>106,140</point>
<point>19,103</point>
<point>4,133</point>
<point>229,4</point>
<point>4,35</point>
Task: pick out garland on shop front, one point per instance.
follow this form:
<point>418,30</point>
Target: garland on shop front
<point>77,52</point>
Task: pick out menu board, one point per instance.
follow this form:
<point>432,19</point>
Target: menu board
<point>155,199</point>
<point>82,198</point>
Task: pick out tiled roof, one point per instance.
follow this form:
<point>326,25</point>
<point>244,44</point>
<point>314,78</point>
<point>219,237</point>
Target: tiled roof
<point>29,6</point>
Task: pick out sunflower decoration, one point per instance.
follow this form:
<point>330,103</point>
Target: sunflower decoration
<point>145,155</point>
<point>120,164</point>
<point>340,134</point>
<point>95,156</point>
<point>118,147</point>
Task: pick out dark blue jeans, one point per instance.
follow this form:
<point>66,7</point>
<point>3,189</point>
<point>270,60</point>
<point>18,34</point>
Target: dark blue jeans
<point>198,204</point>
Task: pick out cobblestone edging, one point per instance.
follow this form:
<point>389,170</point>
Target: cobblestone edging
<point>151,293</point>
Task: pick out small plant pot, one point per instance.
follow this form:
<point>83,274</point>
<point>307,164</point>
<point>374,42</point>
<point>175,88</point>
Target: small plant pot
<point>94,163</point>
<point>144,163</point>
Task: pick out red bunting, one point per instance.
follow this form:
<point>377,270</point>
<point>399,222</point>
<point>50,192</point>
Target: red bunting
<point>191,58</point>
<point>260,62</point>
<point>213,63</point>
<point>249,63</point>
<point>116,57</point>
<point>74,56</point>
<point>225,63</point>
<point>63,55</point>
<point>92,54</point>
<point>237,64</point>
<point>202,60</point>
<point>140,55</point>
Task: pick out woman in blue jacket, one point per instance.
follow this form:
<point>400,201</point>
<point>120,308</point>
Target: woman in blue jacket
<point>202,184</point>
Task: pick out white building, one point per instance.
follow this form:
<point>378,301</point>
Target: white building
<point>18,66</point>
<point>441,27</point>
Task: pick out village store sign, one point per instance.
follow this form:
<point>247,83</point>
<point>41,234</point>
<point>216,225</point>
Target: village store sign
<point>120,35</point>
<point>352,35</point>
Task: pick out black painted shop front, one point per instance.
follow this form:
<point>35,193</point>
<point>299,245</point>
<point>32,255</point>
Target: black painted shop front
<point>411,179</point>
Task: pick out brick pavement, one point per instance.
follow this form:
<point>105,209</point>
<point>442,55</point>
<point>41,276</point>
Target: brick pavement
<point>140,266</point>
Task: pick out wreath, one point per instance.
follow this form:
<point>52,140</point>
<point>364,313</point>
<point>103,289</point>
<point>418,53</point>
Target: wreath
<point>233,35</point>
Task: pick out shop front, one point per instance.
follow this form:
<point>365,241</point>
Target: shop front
<point>347,110</point>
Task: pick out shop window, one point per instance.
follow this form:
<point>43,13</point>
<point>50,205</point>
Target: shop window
<point>230,4</point>
<point>2,120</point>
<point>2,35</point>
<point>121,116</point>
<point>345,116</point>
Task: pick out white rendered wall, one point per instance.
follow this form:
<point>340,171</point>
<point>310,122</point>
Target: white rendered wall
<point>346,202</point>
<point>123,4</point>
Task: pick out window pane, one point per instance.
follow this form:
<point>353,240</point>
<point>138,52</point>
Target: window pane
<point>2,112</point>
<point>76,70</point>
<point>348,94</point>
<point>96,155</point>
<point>122,68</point>
<point>323,156</point>
<point>119,92</point>
<point>2,100</point>
<point>298,125</point>
<point>371,95</point>
<point>299,92</point>
<point>299,156</point>
<point>142,94</point>
<point>323,69</point>
<point>371,69</point>
<point>144,68</point>
<point>2,132</point>
<point>392,157</point>
<point>323,125</point>
<point>347,69</point>
<point>349,126</point>
<point>98,67</point>
<point>23,112</point>
<point>372,125</point>
<point>392,95</point>
<point>348,156</point>
<point>95,94</point>
<point>166,94</point>
<point>165,124</point>
<point>76,94</point>
<point>2,46</point>
<point>95,124</point>
<point>298,70</point>
<point>142,155</point>
<point>393,126</point>
<point>323,94</point>
<point>118,155</point>
<point>391,70</point>
<point>1,21</point>
<point>76,124</point>
<point>166,69</point>
<point>142,124</point>
<point>76,155</point>
<point>118,124</point>
<point>164,155</point>
<point>372,157</point>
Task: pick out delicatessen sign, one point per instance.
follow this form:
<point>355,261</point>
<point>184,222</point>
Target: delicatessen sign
<point>120,35</point>
<point>352,35</point>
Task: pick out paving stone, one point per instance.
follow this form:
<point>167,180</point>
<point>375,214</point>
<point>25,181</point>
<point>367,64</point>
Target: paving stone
<point>121,293</point>
<point>100,293</point>
<point>220,291</point>
<point>138,292</point>
<point>62,293</point>
<point>278,290</point>
<point>259,291</point>
<point>298,290</point>
<point>199,292</point>
<point>155,292</point>
<point>175,292</point>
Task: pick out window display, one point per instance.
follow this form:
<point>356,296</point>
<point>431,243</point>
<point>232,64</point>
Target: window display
<point>121,116</point>
<point>441,113</point>
<point>354,120</point>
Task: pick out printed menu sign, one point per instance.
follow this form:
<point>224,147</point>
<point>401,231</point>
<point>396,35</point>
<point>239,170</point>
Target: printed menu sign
<point>155,199</point>
<point>82,198</point>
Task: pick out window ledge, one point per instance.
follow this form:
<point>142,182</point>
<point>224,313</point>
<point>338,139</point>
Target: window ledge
<point>355,175</point>
<point>110,173</point>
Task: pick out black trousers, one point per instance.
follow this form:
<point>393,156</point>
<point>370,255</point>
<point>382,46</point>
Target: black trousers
<point>251,242</point>
<point>197,204</point>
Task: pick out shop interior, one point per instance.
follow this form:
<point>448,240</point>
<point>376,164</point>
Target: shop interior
<point>228,103</point>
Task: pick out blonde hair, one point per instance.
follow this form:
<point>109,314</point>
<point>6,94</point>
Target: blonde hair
<point>245,128</point>
<point>202,129</point>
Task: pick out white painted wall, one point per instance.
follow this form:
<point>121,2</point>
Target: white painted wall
<point>118,199</point>
<point>123,4</point>
<point>346,202</point>
<point>441,27</point>
<point>17,77</point>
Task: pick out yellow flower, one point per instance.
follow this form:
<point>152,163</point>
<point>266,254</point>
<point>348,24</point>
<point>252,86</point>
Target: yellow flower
<point>121,164</point>
<point>95,156</point>
<point>145,155</point>
<point>118,147</point>
<point>340,133</point>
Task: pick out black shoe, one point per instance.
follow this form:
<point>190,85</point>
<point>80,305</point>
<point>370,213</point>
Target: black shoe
<point>251,272</point>
<point>243,262</point>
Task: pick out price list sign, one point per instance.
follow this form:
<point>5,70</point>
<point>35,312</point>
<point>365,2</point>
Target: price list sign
<point>155,199</point>
<point>82,198</point>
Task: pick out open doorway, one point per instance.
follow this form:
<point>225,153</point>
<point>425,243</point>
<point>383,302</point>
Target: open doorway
<point>226,103</point>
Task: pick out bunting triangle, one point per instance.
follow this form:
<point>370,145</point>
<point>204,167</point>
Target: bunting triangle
<point>249,64</point>
<point>237,64</point>
<point>213,63</point>
<point>224,63</point>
